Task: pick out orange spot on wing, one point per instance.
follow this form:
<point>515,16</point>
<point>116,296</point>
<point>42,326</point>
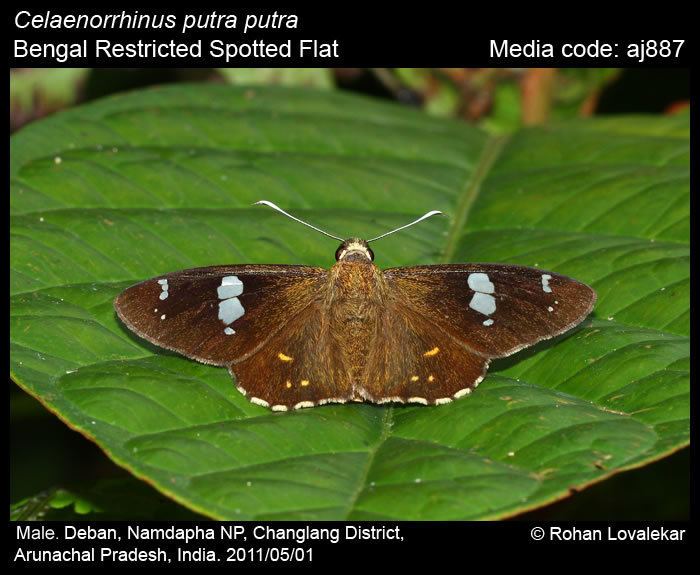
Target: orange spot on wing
<point>414,378</point>
<point>432,352</point>
<point>284,357</point>
<point>304,382</point>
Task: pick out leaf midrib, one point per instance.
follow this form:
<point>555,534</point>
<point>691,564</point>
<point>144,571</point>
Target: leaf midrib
<point>492,150</point>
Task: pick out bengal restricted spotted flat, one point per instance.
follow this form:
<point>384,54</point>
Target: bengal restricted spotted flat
<point>298,336</point>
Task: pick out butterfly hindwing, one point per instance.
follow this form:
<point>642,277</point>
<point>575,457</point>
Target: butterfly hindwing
<point>219,314</point>
<point>302,365</point>
<point>494,309</point>
<point>414,361</point>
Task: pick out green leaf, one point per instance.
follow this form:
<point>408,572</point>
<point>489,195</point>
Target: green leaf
<point>155,181</point>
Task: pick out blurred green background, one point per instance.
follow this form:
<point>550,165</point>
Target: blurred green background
<point>58,472</point>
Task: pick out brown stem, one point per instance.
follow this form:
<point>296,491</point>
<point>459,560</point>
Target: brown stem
<point>537,90</point>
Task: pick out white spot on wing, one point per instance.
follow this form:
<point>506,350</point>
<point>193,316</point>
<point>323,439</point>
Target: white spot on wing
<point>488,322</point>
<point>331,400</point>
<point>230,310</point>
<point>550,308</point>
<point>162,317</point>
<point>483,303</point>
<point>230,281</point>
<point>418,400</point>
<point>258,401</point>
<point>230,307</point>
<point>230,286</point>
<point>545,283</point>
<point>279,408</point>
<point>304,404</point>
<point>164,288</point>
<point>390,399</point>
<point>480,282</point>
<point>462,392</point>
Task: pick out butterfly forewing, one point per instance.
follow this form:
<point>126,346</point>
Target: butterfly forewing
<point>493,309</point>
<point>219,314</point>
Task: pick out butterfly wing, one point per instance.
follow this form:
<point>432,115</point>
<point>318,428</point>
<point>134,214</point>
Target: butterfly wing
<point>221,314</point>
<point>442,325</point>
<point>495,309</point>
<point>435,329</point>
<point>268,324</point>
<point>302,365</point>
<point>413,360</point>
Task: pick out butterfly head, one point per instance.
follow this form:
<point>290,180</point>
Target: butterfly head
<point>354,249</point>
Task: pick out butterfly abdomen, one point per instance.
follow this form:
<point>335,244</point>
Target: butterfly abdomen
<point>356,294</point>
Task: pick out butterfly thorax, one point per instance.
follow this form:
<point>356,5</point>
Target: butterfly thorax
<point>356,294</point>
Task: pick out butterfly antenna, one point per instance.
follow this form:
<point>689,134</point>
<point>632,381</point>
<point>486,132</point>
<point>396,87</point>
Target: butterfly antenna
<point>276,207</point>
<point>423,217</point>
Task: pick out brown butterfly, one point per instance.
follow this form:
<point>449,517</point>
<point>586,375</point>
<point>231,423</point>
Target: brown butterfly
<point>298,336</point>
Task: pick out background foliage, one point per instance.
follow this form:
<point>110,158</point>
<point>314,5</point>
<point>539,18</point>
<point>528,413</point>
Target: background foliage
<point>481,180</point>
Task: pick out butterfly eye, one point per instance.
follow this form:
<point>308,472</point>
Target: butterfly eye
<point>339,251</point>
<point>371,254</point>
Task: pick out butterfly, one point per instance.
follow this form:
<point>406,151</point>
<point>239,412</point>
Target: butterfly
<point>295,336</point>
